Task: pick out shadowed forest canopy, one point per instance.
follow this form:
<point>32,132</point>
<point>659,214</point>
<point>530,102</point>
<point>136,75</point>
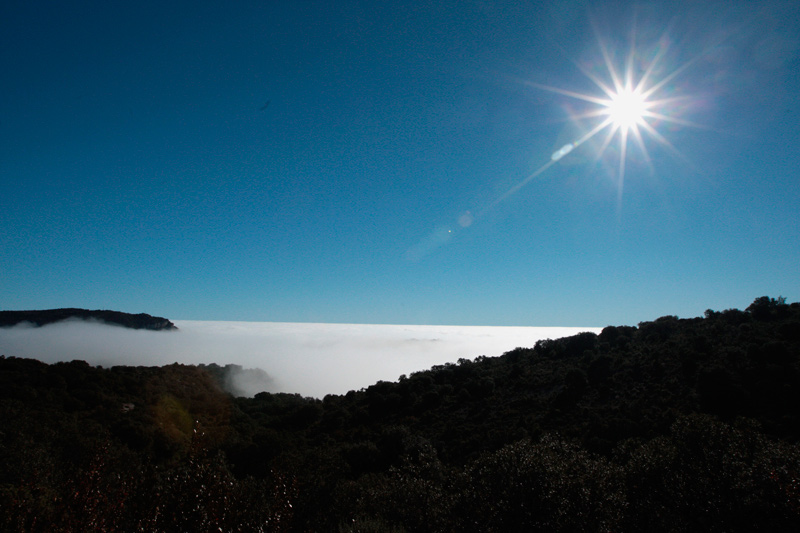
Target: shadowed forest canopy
<point>673,424</point>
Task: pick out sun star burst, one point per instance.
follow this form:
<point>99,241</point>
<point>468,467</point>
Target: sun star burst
<point>634,101</point>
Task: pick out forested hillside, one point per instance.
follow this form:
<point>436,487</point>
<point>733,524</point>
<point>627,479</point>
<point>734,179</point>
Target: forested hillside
<point>676,424</point>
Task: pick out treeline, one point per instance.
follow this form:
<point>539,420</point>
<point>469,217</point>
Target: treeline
<point>677,424</point>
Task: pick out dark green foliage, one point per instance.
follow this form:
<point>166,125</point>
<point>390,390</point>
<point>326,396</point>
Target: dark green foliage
<point>548,485</point>
<point>674,425</point>
<point>709,476</point>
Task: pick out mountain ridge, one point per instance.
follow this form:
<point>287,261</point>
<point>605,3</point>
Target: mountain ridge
<point>44,317</point>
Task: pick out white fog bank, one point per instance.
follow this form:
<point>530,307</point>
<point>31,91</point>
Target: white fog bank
<point>310,359</point>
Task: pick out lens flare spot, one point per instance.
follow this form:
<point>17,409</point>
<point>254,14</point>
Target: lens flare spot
<point>561,152</point>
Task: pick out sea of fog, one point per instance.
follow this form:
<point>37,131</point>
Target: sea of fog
<point>309,359</point>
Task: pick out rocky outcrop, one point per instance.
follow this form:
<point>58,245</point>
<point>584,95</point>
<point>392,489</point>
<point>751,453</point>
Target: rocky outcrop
<point>116,318</point>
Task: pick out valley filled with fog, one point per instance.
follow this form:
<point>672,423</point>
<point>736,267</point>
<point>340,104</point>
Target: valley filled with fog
<point>309,359</point>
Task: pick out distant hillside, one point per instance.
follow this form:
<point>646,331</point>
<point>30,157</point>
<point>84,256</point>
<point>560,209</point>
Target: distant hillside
<point>671,425</point>
<point>49,316</point>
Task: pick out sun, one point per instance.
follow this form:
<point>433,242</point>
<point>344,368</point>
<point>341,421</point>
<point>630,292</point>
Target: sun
<point>635,99</point>
<point>632,103</point>
<point>627,109</point>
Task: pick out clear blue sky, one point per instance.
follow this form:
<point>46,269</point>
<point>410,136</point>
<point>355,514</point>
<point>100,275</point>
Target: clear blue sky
<point>141,171</point>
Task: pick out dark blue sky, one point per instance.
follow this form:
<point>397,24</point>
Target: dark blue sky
<point>141,171</point>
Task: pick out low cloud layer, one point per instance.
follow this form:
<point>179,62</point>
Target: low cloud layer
<point>310,359</point>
